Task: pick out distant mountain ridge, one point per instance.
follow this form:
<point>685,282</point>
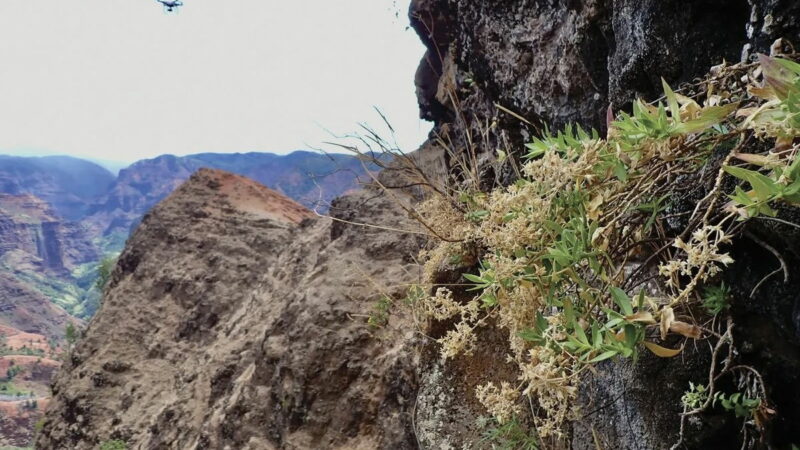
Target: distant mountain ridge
<point>82,190</point>
<point>68,184</point>
<point>311,179</point>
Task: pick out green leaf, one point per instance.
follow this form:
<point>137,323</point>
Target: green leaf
<point>672,101</point>
<point>559,256</point>
<point>793,171</point>
<point>569,313</point>
<point>474,278</point>
<point>530,335</point>
<point>622,300</point>
<point>536,150</point>
<point>766,210</point>
<point>764,187</point>
<point>614,322</point>
<point>640,299</point>
<point>620,171</point>
<point>597,338</point>
<point>541,322</point>
<point>631,336</point>
<point>776,75</point>
<point>581,334</point>
<point>488,299</point>
<point>708,117</point>
<point>790,65</point>
<point>791,193</point>
<point>477,216</point>
<point>603,356</point>
<point>741,197</point>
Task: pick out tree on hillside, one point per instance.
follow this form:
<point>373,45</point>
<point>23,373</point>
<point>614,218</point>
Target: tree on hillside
<point>104,272</point>
<point>12,371</point>
<point>71,335</point>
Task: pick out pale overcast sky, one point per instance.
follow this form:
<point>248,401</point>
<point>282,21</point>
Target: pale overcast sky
<point>122,80</point>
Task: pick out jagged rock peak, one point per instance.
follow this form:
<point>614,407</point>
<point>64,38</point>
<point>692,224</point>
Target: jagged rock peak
<point>222,192</point>
<point>228,325</point>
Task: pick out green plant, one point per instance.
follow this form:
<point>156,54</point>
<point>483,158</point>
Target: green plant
<point>510,435</point>
<point>25,350</point>
<point>565,258</point>
<point>661,122</point>
<point>715,299</point>
<point>553,238</point>
<point>779,116</point>
<point>8,388</point>
<point>71,334</point>
<point>380,312</point>
<point>571,139</point>
<point>104,269</point>
<point>12,372</point>
<point>739,404</point>
<point>553,241</point>
<point>114,444</point>
<point>695,397</point>
<point>382,308</point>
<point>783,183</point>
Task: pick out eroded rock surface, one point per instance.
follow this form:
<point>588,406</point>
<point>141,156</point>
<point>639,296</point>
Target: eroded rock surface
<point>222,329</point>
<point>234,325</point>
<point>565,61</point>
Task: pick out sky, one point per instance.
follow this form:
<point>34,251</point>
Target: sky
<point>121,80</point>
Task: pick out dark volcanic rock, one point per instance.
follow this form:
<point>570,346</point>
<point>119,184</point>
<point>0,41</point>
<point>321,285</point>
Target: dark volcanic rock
<point>561,61</point>
<point>566,61</point>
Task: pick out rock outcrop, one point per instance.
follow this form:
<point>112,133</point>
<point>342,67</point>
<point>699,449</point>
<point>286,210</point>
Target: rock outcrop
<point>226,329</point>
<point>232,322</point>
<point>27,310</point>
<point>566,61</point>
<point>560,62</point>
<point>30,226</point>
<point>44,253</point>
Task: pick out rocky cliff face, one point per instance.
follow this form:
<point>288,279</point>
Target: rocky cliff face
<point>567,61</point>
<point>43,252</point>
<point>28,225</point>
<point>225,330</point>
<point>559,62</point>
<point>232,322</point>
<point>27,310</point>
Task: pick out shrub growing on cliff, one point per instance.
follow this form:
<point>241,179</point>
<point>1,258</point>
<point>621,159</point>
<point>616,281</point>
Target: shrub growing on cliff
<point>104,269</point>
<point>71,335</point>
<point>567,251</point>
<point>12,372</point>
